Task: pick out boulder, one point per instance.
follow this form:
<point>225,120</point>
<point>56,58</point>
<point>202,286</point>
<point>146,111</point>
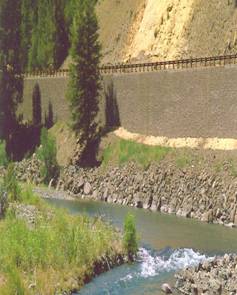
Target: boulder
<point>87,188</point>
<point>166,289</point>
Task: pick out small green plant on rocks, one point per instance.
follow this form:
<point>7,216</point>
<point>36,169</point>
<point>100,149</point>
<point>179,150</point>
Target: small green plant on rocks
<point>130,237</point>
<point>47,155</point>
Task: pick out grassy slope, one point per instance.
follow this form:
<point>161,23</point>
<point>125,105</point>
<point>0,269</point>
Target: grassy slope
<point>56,254</point>
<point>115,151</point>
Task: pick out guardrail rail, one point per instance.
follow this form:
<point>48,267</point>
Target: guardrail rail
<point>212,61</point>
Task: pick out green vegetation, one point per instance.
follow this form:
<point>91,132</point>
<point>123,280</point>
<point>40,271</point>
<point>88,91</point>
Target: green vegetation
<point>36,106</point>
<point>11,185</point>
<point>49,41</point>
<point>130,236</point>
<point>55,254</point>
<point>183,160</point>
<point>3,154</point>
<point>123,151</point>
<point>49,120</point>
<point>84,84</point>
<point>10,79</point>
<point>45,30</point>
<point>3,201</point>
<point>47,153</point>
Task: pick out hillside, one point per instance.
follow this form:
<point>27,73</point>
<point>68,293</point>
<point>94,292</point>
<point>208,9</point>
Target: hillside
<point>166,29</point>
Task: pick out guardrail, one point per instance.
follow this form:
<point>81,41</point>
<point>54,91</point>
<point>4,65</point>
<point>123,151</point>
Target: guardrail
<point>147,67</point>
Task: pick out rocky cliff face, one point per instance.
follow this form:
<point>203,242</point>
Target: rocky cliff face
<point>166,29</point>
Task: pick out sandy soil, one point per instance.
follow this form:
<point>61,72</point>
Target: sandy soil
<point>225,144</point>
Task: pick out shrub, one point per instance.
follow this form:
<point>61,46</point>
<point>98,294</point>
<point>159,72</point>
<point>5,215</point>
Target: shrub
<point>11,185</point>
<point>3,201</point>
<point>47,154</point>
<point>3,154</point>
<point>130,237</point>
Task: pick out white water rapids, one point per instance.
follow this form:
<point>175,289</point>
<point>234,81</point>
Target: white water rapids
<point>151,265</point>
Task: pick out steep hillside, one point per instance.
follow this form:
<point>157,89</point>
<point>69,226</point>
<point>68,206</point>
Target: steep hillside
<point>119,21</point>
<point>166,29</point>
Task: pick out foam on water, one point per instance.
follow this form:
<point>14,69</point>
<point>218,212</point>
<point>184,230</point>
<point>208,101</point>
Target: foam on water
<point>152,264</point>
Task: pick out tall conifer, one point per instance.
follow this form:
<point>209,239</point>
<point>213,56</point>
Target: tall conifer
<point>84,84</point>
<point>10,67</point>
<point>36,106</point>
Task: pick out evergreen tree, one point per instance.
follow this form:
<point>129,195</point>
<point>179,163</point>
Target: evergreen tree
<point>49,120</point>
<point>42,42</point>
<point>28,14</point>
<point>10,68</point>
<point>61,40</point>
<point>84,84</point>
<point>49,40</point>
<point>36,106</point>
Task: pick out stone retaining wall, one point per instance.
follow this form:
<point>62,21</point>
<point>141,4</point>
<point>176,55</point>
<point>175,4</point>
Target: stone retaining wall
<point>199,102</point>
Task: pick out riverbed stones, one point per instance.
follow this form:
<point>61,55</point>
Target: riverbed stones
<point>218,276</point>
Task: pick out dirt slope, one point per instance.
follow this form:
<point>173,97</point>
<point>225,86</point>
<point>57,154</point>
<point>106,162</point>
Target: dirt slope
<point>166,29</point>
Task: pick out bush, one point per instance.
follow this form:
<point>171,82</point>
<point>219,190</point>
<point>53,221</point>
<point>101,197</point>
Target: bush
<point>3,154</point>
<point>47,155</point>
<point>3,201</point>
<point>11,185</point>
<point>130,237</point>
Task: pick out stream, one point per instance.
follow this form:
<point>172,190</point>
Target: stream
<point>167,244</point>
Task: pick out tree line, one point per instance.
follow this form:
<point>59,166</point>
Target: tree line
<point>45,29</point>
<point>39,34</point>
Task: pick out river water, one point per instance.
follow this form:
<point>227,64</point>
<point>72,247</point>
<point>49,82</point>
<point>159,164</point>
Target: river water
<point>167,244</point>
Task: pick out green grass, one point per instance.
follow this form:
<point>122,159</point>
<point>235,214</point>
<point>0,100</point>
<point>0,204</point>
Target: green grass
<point>183,160</point>
<point>3,155</point>
<point>59,249</point>
<point>123,151</point>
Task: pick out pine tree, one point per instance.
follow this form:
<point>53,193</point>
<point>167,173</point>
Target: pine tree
<point>49,39</point>
<point>36,106</point>
<point>61,40</point>
<point>42,40</point>
<point>84,84</point>
<point>49,118</point>
<point>10,68</point>
<point>28,13</point>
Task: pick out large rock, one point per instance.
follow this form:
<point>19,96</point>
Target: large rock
<point>166,289</point>
<point>87,188</point>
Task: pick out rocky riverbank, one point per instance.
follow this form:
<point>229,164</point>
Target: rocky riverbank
<point>201,193</point>
<point>214,277</point>
<point>192,193</point>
